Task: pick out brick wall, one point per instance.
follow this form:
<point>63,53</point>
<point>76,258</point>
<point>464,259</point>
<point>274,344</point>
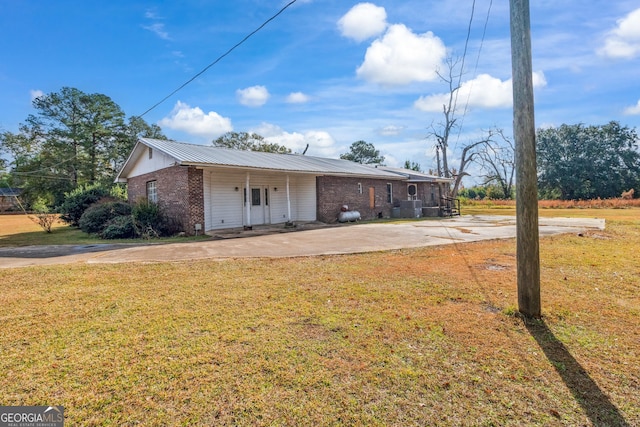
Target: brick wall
<point>333,192</point>
<point>180,192</point>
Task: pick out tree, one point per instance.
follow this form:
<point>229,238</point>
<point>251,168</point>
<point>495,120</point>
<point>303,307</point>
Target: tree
<point>136,128</point>
<point>74,138</point>
<point>412,166</point>
<point>363,152</point>
<point>442,132</point>
<point>249,142</point>
<point>586,162</point>
<point>497,160</point>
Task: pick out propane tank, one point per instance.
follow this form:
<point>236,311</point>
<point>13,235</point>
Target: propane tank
<point>348,216</point>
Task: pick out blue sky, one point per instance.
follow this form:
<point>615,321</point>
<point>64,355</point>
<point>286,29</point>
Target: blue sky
<point>325,72</point>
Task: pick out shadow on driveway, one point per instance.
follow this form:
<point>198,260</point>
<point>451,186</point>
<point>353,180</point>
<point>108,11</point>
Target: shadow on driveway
<point>55,251</point>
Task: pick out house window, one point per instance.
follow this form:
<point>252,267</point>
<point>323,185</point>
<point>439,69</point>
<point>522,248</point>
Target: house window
<point>266,197</point>
<point>412,191</point>
<point>359,188</point>
<point>255,197</point>
<point>389,192</point>
<point>152,191</point>
<point>150,153</point>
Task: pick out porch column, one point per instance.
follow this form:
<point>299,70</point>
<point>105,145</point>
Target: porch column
<point>248,201</point>
<point>288,202</point>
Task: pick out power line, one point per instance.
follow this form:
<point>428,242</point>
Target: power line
<point>219,58</point>
<point>475,70</point>
<point>464,53</point>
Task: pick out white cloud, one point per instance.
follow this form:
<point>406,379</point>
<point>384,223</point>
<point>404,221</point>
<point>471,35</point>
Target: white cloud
<point>321,143</point>
<point>297,98</point>
<point>624,40</point>
<point>402,57</point>
<point>633,110</point>
<point>195,122</point>
<point>363,21</point>
<point>483,92</point>
<point>391,130</point>
<point>254,96</point>
<point>158,29</point>
<point>36,93</point>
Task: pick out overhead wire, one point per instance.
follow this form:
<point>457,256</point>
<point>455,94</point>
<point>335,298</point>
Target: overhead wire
<point>219,58</point>
<point>475,70</point>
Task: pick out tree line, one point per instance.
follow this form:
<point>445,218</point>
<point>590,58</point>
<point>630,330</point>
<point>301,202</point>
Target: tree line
<point>77,139</point>
<point>74,138</point>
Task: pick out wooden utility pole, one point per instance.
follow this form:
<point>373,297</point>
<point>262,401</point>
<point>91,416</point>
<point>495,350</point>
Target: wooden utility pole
<point>524,130</point>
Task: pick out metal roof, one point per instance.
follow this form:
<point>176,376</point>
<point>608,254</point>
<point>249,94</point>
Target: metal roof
<point>415,176</point>
<point>206,155</point>
<point>10,192</point>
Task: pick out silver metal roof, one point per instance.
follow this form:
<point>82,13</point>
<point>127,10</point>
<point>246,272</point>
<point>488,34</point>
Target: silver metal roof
<point>415,176</point>
<point>206,155</point>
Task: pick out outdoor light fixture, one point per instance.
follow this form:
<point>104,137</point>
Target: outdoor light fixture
<point>236,188</point>
<point>275,188</point>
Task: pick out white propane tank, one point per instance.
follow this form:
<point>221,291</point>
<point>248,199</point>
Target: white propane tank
<point>348,216</point>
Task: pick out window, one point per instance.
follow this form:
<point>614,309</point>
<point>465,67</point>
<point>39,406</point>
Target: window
<point>255,197</point>
<point>152,191</point>
<point>412,191</point>
<point>266,197</point>
<point>359,188</point>
<point>150,153</point>
<point>389,193</point>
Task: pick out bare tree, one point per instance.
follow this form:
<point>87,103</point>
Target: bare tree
<point>497,160</point>
<point>469,154</point>
<point>442,132</point>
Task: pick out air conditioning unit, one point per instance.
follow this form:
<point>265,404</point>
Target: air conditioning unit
<point>412,192</point>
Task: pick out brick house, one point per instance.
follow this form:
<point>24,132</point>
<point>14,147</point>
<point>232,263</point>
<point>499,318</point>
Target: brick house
<point>9,199</point>
<point>212,188</point>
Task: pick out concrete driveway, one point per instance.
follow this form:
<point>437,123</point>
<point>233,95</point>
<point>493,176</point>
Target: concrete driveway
<point>344,239</point>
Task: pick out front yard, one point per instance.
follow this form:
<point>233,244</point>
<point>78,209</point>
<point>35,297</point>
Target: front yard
<point>412,337</point>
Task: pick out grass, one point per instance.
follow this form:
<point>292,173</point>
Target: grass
<point>19,230</point>
<point>413,337</point>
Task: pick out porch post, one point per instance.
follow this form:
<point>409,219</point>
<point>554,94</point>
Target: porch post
<point>288,202</point>
<point>248,202</point>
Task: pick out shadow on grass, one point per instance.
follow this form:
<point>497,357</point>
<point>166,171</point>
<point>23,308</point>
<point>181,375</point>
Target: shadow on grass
<point>594,402</point>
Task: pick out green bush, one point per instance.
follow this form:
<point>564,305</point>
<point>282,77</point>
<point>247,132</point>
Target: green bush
<point>98,215</point>
<point>78,200</point>
<point>151,220</point>
<point>120,227</point>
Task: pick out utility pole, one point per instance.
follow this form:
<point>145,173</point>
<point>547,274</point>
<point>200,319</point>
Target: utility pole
<point>527,235</point>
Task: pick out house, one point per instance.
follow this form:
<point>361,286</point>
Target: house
<point>213,188</point>
<point>9,199</point>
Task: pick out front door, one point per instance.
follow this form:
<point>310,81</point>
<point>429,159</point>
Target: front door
<point>259,201</point>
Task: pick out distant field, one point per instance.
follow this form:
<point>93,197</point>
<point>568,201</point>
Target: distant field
<point>411,337</point>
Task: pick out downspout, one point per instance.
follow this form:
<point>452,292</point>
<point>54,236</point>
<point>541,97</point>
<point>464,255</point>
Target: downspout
<point>288,202</point>
<point>248,202</point>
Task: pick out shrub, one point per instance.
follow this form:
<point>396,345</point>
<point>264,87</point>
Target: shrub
<point>97,217</point>
<point>78,200</point>
<point>151,220</point>
<point>43,217</point>
<point>120,227</point>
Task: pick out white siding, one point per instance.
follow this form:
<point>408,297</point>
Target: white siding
<point>225,203</point>
<point>206,187</point>
<point>144,164</point>
<point>224,206</point>
<point>304,195</point>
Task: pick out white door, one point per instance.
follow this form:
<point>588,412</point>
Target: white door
<point>259,202</point>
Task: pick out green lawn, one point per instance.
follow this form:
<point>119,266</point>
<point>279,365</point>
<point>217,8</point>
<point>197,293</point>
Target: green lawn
<point>412,337</point>
<point>19,230</point>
